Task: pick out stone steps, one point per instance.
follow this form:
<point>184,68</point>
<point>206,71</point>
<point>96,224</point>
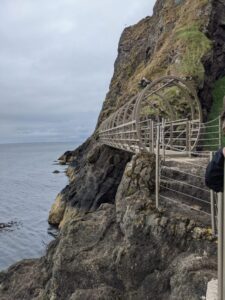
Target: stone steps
<point>183,180</point>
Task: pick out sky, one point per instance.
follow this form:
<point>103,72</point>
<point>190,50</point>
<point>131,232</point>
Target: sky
<point>56,62</point>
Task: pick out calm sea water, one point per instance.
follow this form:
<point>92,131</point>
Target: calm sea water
<point>27,190</point>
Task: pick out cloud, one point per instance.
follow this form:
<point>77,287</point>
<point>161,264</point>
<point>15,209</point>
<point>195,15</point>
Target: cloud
<point>56,62</point>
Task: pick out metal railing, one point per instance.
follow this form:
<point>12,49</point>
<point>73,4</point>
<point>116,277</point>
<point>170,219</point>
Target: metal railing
<point>221,247</point>
<point>190,137</point>
<point>130,127</point>
<point>186,185</point>
<point>179,136</point>
<point>187,139</point>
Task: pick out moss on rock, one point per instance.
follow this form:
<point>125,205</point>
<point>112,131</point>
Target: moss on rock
<point>195,45</point>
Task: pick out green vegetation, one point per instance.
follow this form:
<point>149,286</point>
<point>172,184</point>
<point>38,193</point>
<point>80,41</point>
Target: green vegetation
<point>196,45</point>
<point>154,107</point>
<point>172,104</point>
<point>178,102</point>
<point>211,135</point>
<point>203,2</point>
<point>218,94</point>
<point>217,106</point>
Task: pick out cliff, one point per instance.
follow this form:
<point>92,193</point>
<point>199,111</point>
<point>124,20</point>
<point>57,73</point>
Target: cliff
<point>113,243</point>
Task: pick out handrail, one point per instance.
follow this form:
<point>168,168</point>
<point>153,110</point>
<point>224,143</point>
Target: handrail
<point>184,138</point>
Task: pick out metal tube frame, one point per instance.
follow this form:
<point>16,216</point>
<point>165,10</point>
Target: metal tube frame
<point>221,244</point>
<point>157,179</point>
<point>220,132</point>
<point>220,247</point>
<point>212,202</point>
<point>163,139</point>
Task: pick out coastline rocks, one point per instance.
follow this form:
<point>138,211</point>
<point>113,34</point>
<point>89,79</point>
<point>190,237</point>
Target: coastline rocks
<point>94,259</point>
<point>126,250</point>
<point>65,158</point>
<point>94,180</point>
<point>94,154</point>
<point>4,225</point>
<point>95,177</point>
<point>57,210</point>
<point>70,213</point>
<point>8,225</point>
<point>24,280</point>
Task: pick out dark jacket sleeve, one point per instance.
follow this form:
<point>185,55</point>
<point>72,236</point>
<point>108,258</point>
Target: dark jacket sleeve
<point>215,172</point>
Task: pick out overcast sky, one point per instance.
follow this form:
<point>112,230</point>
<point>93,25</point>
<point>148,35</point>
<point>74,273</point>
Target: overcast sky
<point>56,62</point>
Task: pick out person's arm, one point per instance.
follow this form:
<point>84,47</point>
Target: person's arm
<point>215,172</point>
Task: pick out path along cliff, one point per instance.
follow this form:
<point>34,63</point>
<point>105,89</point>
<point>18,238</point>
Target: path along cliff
<point>113,243</point>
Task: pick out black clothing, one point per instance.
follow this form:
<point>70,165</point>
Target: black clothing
<point>144,82</point>
<point>215,172</point>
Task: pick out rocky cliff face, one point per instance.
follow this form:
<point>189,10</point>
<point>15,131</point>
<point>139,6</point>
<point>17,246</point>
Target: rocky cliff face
<point>183,38</point>
<point>126,250</point>
<point>113,243</point>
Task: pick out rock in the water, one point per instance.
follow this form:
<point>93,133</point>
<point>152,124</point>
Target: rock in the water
<point>66,157</point>
<point>56,172</point>
<point>8,225</point>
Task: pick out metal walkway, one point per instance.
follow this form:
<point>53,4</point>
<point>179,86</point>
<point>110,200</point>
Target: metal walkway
<point>169,101</point>
<point>166,119</point>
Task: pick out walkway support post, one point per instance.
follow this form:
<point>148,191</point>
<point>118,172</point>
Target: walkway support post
<point>212,202</point>
<point>171,135</point>
<point>223,216</point>
<point>163,138</point>
<point>157,159</point>
<point>221,244</point>
<point>189,137</point>
<point>152,136</point>
<point>220,132</point>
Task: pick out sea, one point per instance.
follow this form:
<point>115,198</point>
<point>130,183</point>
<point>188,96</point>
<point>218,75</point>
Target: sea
<point>28,188</point>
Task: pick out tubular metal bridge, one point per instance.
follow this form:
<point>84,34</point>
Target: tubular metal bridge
<point>165,118</point>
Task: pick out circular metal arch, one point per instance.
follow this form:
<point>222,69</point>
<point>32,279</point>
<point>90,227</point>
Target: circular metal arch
<point>167,100</point>
<point>154,89</point>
